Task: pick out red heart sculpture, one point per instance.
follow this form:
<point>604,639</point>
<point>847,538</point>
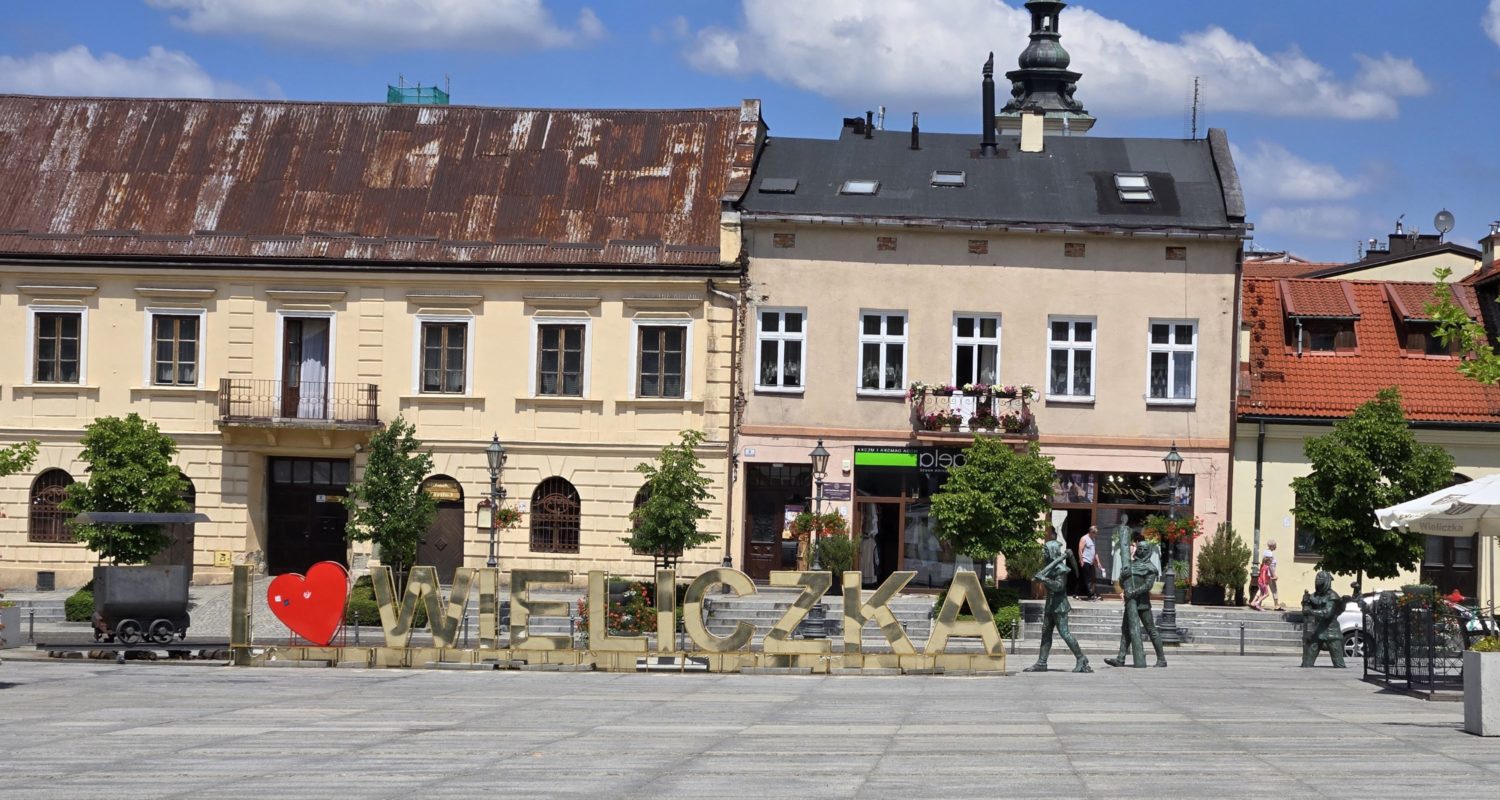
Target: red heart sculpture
<point>312,606</point>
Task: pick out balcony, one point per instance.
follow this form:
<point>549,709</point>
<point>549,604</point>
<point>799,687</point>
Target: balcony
<point>246,401</point>
<point>944,412</point>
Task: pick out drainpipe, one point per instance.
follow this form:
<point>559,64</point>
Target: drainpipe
<point>1260,457</point>
<point>735,402</point>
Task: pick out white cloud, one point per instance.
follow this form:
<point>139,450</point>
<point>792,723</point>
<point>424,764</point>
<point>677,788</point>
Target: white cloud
<point>1492,20</point>
<point>499,25</point>
<point>1324,222</point>
<point>899,50</point>
<point>1272,172</point>
<point>77,71</point>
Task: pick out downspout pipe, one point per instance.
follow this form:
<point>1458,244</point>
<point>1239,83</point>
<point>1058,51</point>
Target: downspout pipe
<point>1260,458</point>
<point>737,323</point>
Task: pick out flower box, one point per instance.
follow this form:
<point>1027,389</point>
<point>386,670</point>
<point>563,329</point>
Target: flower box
<point>1482,693</point>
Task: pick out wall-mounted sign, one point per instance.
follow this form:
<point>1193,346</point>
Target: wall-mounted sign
<point>443,490</point>
<point>837,491</point>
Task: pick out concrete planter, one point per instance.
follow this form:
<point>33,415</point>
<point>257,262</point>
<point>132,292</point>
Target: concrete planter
<point>1482,693</point>
<point>13,635</point>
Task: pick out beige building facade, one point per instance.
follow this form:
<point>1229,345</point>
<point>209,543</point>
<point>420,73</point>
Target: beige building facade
<point>586,317</point>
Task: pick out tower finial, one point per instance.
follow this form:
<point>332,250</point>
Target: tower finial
<point>1044,80</point>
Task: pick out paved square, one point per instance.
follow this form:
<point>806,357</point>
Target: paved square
<point>1206,727</point>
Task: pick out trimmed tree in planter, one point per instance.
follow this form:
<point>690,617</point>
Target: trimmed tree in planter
<point>666,522</point>
<point>1223,566</point>
<point>1370,461</point>
<point>130,469</point>
<point>387,505</point>
<point>994,502</point>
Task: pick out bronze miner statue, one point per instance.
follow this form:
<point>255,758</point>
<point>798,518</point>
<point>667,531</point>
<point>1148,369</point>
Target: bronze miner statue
<point>1136,580</point>
<point>1320,614</point>
<point>1055,613</point>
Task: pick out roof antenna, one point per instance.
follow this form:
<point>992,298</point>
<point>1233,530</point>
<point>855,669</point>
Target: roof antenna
<point>1196,97</point>
<point>880,121</point>
<point>1398,224</point>
<point>915,144</point>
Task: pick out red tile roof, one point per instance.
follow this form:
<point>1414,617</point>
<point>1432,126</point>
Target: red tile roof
<point>369,182</point>
<point>1331,299</point>
<point>1410,299</point>
<point>1281,269</point>
<point>1330,386</point>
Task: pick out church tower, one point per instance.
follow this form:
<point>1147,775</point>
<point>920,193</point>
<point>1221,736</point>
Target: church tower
<point>1044,80</point>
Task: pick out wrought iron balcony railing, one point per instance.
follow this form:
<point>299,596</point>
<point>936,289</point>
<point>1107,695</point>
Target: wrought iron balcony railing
<point>999,410</point>
<point>252,401</point>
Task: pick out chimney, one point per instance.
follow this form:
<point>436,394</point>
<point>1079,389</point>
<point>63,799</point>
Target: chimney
<point>869,124</point>
<point>1031,130</point>
<point>915,143</point>
<point>987,145</point>
<point>1489,248</point>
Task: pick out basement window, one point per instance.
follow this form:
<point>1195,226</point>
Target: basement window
<point>1133,187</point>
<point>949,179</point>
<point>860,186</point>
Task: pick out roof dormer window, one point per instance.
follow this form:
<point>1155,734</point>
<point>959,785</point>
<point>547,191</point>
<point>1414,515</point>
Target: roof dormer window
<point>948,179</point>
<point>860,186</point>
<point>1133,187</point>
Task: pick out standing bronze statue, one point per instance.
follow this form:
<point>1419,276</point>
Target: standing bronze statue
<point>1320,612</point>
<point>1136,580</point>
<point>1055,613</point>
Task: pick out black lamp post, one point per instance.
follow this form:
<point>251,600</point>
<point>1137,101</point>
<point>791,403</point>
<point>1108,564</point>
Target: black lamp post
<point>819,456</point>
<point>495,455</point>
<point>1173,464</point>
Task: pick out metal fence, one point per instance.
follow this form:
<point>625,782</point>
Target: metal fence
<point>251,400</point>
<point>1414,646</point>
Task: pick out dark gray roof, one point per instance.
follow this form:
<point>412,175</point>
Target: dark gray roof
<point>1072,182</point>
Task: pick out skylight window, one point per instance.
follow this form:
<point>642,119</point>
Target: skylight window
<point>778,186</point>
<point>1133,187</point>
<point>860,186</point>
<point>948,178</point>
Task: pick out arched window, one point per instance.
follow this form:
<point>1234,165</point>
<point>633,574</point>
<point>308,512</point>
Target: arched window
<point>555,512</point>
<point>47,519</point>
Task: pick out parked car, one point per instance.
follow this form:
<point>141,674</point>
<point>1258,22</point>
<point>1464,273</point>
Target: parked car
<point>1356,639</point>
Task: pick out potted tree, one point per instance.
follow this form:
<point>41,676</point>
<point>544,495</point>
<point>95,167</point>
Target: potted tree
<point>994,502</point>
<point>665,524</point>
<point>1223,566</point>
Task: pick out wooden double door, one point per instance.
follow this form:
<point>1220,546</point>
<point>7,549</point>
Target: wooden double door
<point>305,514</point>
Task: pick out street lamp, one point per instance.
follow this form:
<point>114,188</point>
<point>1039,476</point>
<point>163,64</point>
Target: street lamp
<point>1172,461</point>
<point>819,456</point>
<point>495,455</point>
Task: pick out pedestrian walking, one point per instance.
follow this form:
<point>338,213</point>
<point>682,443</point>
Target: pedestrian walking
<point>1262,584</point>
<point>1270,552</point>
<point>1088,563</point>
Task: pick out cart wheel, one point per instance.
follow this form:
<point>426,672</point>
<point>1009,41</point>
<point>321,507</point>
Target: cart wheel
<point>128,631</point>
<point>162,631</point>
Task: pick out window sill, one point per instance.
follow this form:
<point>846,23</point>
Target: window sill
<point>1160,401</point>
<point>660,402</point>
<point>562,402</point>
<point>779,390</point>
<point>883,394</point>
<point>172,390</point>
<point>1078,400</point>
<point>55,388</point>
<point>439,397</point>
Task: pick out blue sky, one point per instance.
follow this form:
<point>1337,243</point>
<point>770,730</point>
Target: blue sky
<point>1344,115</point>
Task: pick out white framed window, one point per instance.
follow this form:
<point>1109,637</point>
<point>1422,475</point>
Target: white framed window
<point>976,348</point>
<point>1172,361</point>
<point>57,345</point>
<point>661,355</point>
<point>882,352</point>
<point>444,362</point>
<point>560,365</point>
<point>174,347</point>
<point>1070,358</point>
<point>781,349</point>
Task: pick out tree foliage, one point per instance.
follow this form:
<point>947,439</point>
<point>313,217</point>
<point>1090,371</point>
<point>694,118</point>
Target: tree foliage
<point>17,457</point>
<point>665,524</point>
<point>387,505</point>
<point>1477,359</point>
<point>1370,461</point>
<point>130,469</point>
<point>995,501</point>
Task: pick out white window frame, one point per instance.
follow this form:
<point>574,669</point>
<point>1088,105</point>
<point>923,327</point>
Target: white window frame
<point>149,363</point>
<point>282,315</point>
<point>416,360</point>
<point>588,354</point>
<point>1169,349</point>
<point>781,337</point>
<point>83,343</point>
<point>688,357</point>
<point>975,341</point>
<point>1074,348</point>
<point>882,339</point>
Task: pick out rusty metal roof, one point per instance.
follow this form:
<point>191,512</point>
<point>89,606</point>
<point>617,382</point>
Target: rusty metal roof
<point>349,182</point>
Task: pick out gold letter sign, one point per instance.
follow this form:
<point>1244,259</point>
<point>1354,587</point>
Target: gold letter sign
<point>965,588</point>
<point>814,586</point>
<point>599,638</point>
<point>692,610</point>
<point>522,607</point>
<point>856,614</point>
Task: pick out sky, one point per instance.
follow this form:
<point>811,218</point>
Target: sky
<point>1344,115</point>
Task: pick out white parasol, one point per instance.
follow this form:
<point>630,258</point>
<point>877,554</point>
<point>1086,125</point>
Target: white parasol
<point>1460,510</point>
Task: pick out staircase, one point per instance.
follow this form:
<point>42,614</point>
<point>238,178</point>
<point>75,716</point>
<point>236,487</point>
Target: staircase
<point>1206,629</point>
<point>47,610</point>
<point>768,605</point>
